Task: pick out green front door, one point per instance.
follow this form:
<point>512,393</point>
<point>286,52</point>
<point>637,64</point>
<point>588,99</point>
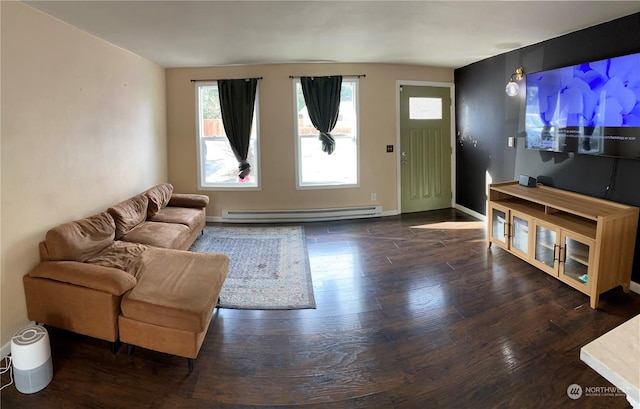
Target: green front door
<point>425,148</point>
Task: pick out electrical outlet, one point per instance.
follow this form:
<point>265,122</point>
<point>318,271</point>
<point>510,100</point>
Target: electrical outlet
<point>374,197</point>
<point>389,148</point>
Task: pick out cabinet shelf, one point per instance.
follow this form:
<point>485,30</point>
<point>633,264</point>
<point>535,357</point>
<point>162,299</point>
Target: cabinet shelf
<point>578,224</point>
<point>581,260</point>
<point>545,245</point>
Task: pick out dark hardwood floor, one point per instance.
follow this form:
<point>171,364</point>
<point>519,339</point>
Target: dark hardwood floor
<point>413,311</point>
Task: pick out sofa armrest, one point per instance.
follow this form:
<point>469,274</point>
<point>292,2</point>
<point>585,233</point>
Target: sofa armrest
<point>107,279</point>
<point>188,200</point>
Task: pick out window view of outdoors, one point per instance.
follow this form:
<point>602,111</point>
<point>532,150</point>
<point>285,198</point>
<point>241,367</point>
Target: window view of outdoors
<point>317,168</point>
<point>218,164</point>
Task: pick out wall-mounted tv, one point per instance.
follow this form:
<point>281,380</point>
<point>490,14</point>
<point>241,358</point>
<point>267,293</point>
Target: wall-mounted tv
<point>591,108</point>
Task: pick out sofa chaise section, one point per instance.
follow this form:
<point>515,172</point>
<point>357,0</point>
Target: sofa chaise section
<point>170,312</point>
<point>123,274</point>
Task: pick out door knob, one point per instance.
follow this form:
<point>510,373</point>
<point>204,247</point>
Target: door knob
<point>404,154</point>
<point>404,162</point>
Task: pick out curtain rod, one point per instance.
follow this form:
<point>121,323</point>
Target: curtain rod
<point>355,75</point>
<point>225,79</point>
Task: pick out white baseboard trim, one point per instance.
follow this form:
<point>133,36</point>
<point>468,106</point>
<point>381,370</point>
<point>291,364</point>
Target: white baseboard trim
<point>470,212</point>
<point>385,213</point>
<point>635,287</point>
<point>301,215</point>
<point>390,213</point>
<point>220,219</point>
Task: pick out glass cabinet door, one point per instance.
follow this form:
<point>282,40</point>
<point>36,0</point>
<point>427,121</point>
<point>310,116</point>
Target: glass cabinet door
<point>499,227</point>
<point>576,260</point>
<point>545,248</point>
<point>520,234</point>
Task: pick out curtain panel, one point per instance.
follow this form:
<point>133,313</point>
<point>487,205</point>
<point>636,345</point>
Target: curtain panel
<point>322,96</point>
<point>237,102</point>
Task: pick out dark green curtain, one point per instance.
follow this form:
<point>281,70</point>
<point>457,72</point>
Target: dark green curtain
<point>322,96</point>
<point>237,100</point>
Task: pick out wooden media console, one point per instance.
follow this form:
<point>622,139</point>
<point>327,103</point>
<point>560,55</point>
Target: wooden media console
<point>586,242</point>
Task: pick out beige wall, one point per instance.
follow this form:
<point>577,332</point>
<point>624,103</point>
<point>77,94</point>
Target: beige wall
<point>377,129</point>
<point>83,126</point>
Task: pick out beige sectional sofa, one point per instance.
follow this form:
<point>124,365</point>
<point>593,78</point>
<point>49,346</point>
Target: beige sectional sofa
<point>123,274</point>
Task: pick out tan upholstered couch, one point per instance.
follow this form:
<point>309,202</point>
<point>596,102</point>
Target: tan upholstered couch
<point>123,274</point>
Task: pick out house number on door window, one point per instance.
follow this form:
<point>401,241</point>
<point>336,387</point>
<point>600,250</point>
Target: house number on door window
<point>425,108</point>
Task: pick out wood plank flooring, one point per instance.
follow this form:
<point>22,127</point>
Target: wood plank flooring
<point>413,311</point>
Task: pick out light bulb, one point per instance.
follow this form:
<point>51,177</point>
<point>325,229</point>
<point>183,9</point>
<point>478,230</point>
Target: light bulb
<point>512,88</point>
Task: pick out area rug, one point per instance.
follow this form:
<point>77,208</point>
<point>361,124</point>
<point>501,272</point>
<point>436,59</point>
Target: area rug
<point>268,269</point>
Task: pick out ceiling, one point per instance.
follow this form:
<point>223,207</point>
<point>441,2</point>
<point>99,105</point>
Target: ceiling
<point>435,33</point>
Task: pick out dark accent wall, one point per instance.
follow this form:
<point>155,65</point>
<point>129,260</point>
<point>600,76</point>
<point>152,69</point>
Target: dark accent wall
<point>486,117</point>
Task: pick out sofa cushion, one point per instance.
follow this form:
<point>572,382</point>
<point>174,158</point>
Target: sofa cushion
<point>188,200</point>
<point>165,235</point>
<point>188,216</point>
<point>94,277</point>
<point>79,240</point>
<point>129,213</point>
<point>158,198</point>
<point>121,255</point>
<point>176,289</point>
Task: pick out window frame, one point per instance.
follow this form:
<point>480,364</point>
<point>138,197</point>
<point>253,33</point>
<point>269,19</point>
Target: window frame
<point>255,170</point>
<point>312,186</point>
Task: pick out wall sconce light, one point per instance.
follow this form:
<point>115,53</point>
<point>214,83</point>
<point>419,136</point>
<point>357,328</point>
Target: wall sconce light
<point>512,89</point>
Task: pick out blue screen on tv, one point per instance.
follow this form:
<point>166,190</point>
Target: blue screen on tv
<point>591,108</point>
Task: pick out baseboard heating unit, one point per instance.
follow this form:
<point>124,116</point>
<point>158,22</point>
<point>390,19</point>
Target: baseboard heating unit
<point>305,215</point>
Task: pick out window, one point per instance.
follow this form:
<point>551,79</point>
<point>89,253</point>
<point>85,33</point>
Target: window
<point>316,168</point>
<point>425,108</point>
<point>217,165</point>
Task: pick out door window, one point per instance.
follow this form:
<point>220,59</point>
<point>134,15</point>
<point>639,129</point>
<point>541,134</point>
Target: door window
<point>425,108</point>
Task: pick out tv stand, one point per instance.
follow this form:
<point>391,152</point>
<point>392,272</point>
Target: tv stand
<point>586,242</point>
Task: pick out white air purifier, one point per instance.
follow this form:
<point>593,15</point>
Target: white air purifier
<point>31,359</point>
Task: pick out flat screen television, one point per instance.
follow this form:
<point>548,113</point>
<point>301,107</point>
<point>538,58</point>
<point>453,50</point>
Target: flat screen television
<point>591,108</point>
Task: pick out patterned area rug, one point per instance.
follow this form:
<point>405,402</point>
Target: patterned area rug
<point>268,269</point>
